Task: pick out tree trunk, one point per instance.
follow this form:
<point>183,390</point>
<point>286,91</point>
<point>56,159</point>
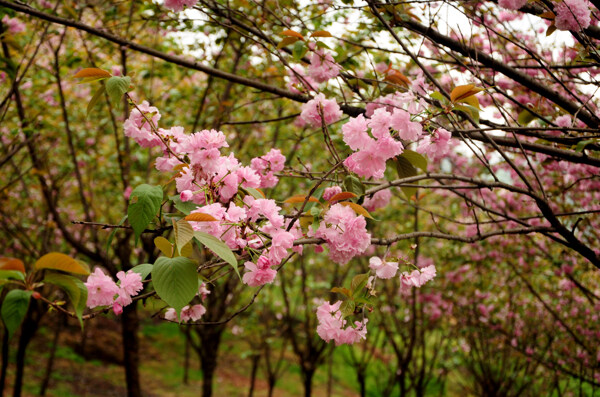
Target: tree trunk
<point>210,337</point>
<point>5,342</point>
<point>255,360</point>
<point>130,325</point>
<point>59,323</point>
<point>186,356</point>
<point>271,387</point>
<point>28,330</point>
<point>361,377</point>
<point>307,378</point>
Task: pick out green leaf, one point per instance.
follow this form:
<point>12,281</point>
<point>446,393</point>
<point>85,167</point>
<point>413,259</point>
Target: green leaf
<point>144,203</point>
<point>347,307</point>
<point>219,248</point>
<point>287,41</point>
<point>116,86</point>
<point>354,185</point>
<point>320,44</point>
<point>74,288</point>
<point>471,110</point>
<point>144,269</point>
<point>94,100</point>
<point>112,234</point>
<point>184,233</point>
<point>299,50</point>
<point>438,95</point>
<point>184,206</point>
<point>14,309</point>
<point>11,275</point>
<point>416,159</point>
<point>343,291</point>
<point>525,117</point>
<point>175,280</point>
<point>582,144</point>
<point>358,282</point>
<point>254,193</point>
<point>405,170</point>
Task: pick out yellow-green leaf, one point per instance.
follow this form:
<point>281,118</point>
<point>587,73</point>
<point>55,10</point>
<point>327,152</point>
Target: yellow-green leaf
<point>287,41</point>
<point>321,33</point>
<point>62,262</point>
<point>464,91</point>
<point>164,246</point>
<point>359,209</point>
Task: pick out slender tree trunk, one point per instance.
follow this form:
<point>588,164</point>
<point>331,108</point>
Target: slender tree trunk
<point>28,330</point>
<point>129,332</point>
<point>271,387</point>
<point>307,378</point>
<point>59,324</point>
<point>361,377</point>
<point>255,360</point>
<point>210,340</point>
<point>186,357</point>
<point>5,342</point>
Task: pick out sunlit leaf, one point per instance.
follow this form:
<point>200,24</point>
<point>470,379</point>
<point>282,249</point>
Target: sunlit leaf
<point>342,196</point>
<point>200,217</point>
<point>7,263</point>
<point>359,209</point>
<point>92,72</point>
<point>291,33</point>
<point>62,262</point>
<point>164,246</point>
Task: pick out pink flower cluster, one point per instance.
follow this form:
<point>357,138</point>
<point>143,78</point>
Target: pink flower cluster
<point>372,151</point>
<point>379,200</point>
<point>436,145</point>
<point>312,110</point>
<point>344,232</point>
<point>138,127</point>
<point>572,15</point>
<point>103,291</point>
<point>189,313</point>
<point>14,25</point>
<point>382,268</point>
<point>178,5</point>
<point>322,66</point>
<point>299,81</point>
<point>512,4</point>
<point>331,325</point>
<point>267,165</point>
<point>417,278</point>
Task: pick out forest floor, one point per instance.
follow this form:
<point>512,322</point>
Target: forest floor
<point>95,369</point>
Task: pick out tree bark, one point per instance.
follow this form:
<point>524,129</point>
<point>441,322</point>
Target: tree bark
<point>210,339</point>
<point>5,342</point>
<point>307,378</point>
<point>28,330</point>
<point>59,324</point>
<point>255,360</point>
<point>129,332</point>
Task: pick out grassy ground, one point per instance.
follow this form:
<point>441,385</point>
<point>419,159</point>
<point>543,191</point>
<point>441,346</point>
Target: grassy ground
<point>99,373</point>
